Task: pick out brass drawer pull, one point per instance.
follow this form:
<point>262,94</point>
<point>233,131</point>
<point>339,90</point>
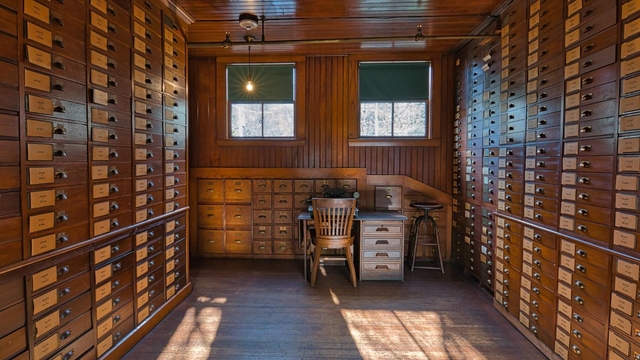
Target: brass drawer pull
<point>581,268</point>
<point>576,349</point>
<point>63,270</point>
<point>579,284</point>
<point>577,334</point>
<point>581,253</point>
<point>65,335</point>
<point>579,300</point>
<point>536,290</point>
<point>578,317</point>
<point>65,313</point>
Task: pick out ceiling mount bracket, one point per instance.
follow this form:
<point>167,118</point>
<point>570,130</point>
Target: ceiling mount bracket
<point>248,21</point>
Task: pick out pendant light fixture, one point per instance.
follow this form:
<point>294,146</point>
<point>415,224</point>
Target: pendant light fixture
<point>249,86</point>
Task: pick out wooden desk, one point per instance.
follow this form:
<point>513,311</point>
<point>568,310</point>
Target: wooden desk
<point>378,233</point>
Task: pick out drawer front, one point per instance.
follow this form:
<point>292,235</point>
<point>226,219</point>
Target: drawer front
<point>382,228</point>
<point>262,232</point>
<point>283,201</point>
<point>381,243</point>
<point>13,318</point>
<point>238,191</point>
<point>51,276</point>
<point>263,247</point>
<point>238,215</point>
<point>283,232</point>
<point>383,270</point>
<point>210,190</point>
<point>262,216</point>
<point>381,255</point>
<point>238,242</point>
<point>283,217</point>
<point>210,216</point>
<point>262,201</point>
<point>176,78</point>
<point>283,247</point>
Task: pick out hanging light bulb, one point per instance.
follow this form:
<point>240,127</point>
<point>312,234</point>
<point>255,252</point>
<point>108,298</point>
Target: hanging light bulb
<point>249,86</point>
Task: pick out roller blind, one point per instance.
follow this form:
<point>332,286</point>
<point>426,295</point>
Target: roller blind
<point>394,81</point>
<point>272,83</point>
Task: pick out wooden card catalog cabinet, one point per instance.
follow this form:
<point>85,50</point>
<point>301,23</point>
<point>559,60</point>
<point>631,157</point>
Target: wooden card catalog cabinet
<point>90,136</point>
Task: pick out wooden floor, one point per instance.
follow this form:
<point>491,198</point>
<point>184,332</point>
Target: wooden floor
<point>263,309</point>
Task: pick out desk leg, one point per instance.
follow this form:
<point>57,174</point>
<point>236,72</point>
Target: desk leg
<point>303,235</point>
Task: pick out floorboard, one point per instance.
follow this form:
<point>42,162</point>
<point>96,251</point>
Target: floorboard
<point>263,309</point>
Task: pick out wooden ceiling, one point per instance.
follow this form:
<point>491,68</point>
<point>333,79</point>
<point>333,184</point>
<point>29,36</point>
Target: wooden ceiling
<point>303,20</point>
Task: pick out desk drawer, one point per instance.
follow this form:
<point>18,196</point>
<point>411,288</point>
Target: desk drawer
<point>381,255</point>
<point>381,270</point>
<point>378,243</point>
<point>382,227</point>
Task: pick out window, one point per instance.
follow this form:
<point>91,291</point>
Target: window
<point>394,99</point>
<point>268,111</point>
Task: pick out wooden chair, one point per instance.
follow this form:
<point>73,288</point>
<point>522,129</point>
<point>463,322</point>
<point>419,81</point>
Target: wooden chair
<point>333,219</point>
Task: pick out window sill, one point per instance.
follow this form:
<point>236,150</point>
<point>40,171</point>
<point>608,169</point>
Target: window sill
<point>394,142</point>
<point>261,142</point>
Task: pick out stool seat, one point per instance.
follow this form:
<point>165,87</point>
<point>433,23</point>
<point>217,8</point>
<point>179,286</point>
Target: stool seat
<point>426,206</point>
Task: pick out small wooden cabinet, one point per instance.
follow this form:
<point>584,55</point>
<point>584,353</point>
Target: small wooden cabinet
<point>381,249</point>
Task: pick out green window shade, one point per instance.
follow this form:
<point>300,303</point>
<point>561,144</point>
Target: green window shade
<point>394,81</point>
<point>271,83</point>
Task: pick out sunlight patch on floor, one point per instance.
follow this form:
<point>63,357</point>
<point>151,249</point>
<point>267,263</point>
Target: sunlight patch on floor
<point>405,334</point>
<point>201,327</point>
<point>334,297</point>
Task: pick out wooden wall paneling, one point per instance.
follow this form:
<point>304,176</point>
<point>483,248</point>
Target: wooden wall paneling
<point>327,109</point>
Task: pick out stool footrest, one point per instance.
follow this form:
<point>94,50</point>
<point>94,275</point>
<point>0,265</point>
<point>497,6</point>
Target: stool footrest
<point>428,267</point>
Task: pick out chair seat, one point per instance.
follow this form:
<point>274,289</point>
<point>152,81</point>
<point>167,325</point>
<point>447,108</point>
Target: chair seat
<point>426,206</point>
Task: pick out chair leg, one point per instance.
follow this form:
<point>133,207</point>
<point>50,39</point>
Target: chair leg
<point>352,269</point>
<point>316,264</point>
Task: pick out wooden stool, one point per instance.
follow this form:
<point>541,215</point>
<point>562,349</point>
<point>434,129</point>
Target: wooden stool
<point>427,241</point>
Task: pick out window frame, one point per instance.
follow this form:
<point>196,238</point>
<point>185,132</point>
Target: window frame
<point>432,137</point>
<point>223,106</point>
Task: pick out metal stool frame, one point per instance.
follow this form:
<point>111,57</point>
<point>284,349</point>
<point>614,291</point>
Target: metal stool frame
<point>413,240</point>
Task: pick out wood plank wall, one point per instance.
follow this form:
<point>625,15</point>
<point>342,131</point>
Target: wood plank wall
<point>327,129</point>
